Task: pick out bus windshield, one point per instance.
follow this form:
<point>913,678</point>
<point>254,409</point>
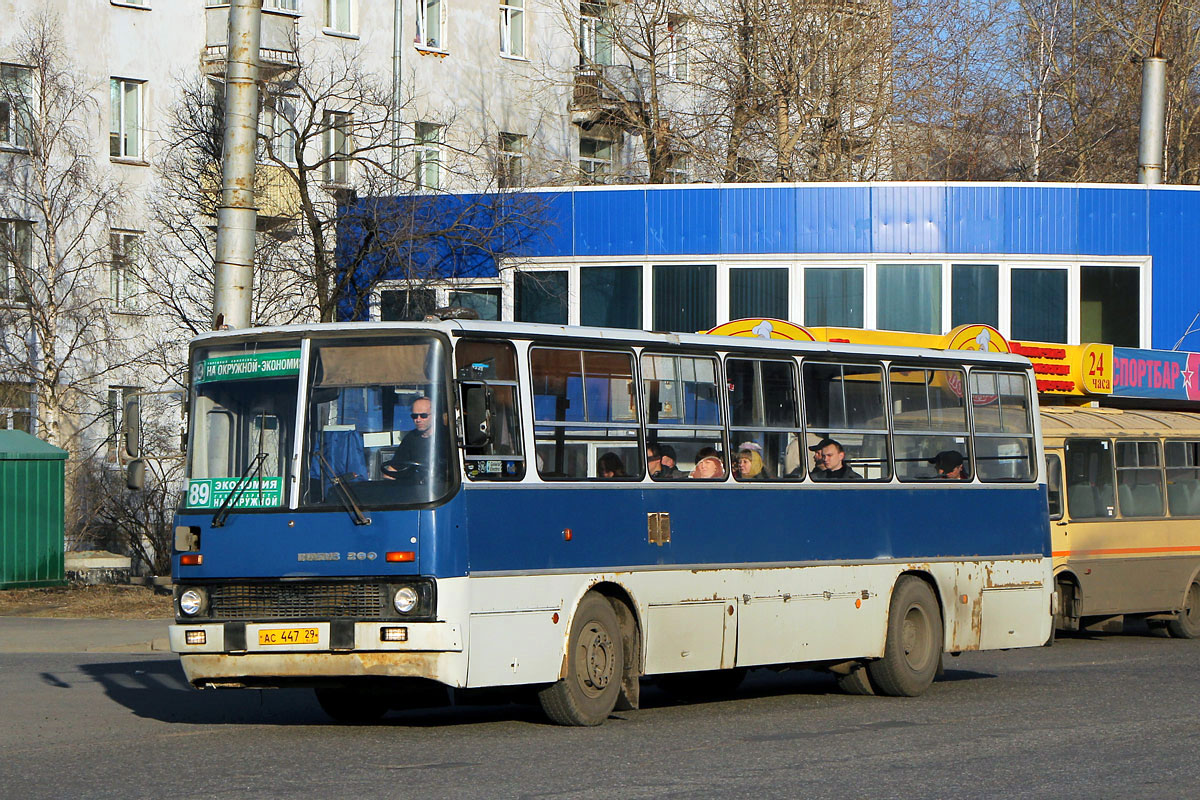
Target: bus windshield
<point>377,423</point>
<point>243,418</point>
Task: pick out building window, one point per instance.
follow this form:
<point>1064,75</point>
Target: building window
<point>16,100</point>
<point>833,296</point>
<point>595,159</point>
<point>406,305</point>
<point>595,33</point>
<point>428,137</point>
<point>123,280</point>
<point>909,297</point>
<point>512,160</point>
<point>277,130</point>
<point>16,407</point>
<point>758,292</point>
<point>677,46</point>
<point>685,297</point>
<point>337,15</point>
<point>125,118</point>
<point>337,147</point>
<point>512,28</point>
<point>974,294</point>
<point>610,297</point>
<point>1039,305</point>
<point>431,24</point>
<point>284,5</point>
<point>1109,304</point>
<point>541,296</point>
<point>16,260</point>
<point>680,170</point>
<point>485,302</point>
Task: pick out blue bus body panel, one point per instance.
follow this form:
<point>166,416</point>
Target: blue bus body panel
<point>522,528</point>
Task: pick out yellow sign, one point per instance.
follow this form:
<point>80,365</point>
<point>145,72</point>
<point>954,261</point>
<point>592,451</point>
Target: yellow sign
<point>983,338</point>
<point>764,328</point>
<point>1098,368</point>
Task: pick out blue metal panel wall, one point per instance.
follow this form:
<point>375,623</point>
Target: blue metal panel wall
<point>974,219</point>
<point>909,219</point>
<point>608,222</point>
<point>683,221</point>
<point>758,219</point>
<point>833,219</point>
<point>1039,219</point>
<point>1174,237</point>
<point>1112,222</point>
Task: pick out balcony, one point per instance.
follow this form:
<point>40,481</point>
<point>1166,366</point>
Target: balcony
<point>275,194</point>
<point>276,43</point>
<point>606,94</point>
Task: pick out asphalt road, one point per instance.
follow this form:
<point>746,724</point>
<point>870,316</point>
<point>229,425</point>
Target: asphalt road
<point>1097,716</point>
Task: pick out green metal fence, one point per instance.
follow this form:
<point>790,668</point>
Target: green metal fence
<point>31,511</point>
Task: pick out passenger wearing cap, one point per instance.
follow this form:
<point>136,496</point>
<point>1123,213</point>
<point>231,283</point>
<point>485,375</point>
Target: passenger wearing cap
<point>661,460</point>
<point>950,465</point>
<point>829,462</point>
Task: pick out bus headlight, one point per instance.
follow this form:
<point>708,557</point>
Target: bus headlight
<point>191,602</point>
<point>405,599</point>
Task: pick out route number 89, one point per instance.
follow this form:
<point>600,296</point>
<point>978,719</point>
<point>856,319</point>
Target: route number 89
<point>198,494</point>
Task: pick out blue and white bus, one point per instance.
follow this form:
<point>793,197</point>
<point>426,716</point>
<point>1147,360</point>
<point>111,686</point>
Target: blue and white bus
<point>375,509</point>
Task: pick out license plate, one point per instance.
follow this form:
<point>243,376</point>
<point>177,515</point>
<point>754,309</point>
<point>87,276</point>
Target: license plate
<point>288,636</point>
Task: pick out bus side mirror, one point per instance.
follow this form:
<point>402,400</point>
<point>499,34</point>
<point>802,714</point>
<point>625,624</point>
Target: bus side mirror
<point>477,415</point>
<point>133,426</point>
<point>135,475</point>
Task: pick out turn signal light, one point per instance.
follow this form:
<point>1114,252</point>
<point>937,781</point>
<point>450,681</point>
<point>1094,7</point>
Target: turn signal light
<point>191,560</point>
<point>402,555</point>
<point>393,634</point>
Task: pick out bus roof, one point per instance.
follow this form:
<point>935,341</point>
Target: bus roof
<point>623,336</point>
<point>1065,422</point>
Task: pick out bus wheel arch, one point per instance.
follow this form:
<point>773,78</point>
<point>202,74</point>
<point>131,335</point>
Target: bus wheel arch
<point>1186,624</point>
<point>631,641</point>
<point>1069,603</point>
<point>914,639</point>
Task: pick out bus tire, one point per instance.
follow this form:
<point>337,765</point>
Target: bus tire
<point>351,706</point>
<point>595,660</point>
<point>856,681</point>
<point>914,641</point>
<point>1186,624</point>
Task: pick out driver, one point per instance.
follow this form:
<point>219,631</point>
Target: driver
<point>422,446</point>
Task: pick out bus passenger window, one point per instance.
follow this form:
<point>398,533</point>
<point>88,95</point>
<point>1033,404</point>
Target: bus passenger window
<point>1089,468</point>
<point>764,419</point>
<point>1139,479</point>
<point>487,385</point>
<point>1004,448</point>
<point>1183,478</point>
<point>584,406</point>
<point>683,414</point>
<point>844,409</point>
<point>1054,487</point>
<point>929,417</point>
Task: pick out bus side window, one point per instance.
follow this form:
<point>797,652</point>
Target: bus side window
<point>683,411</point>
<point>844,403</point>
<point>1139,479</point>
<point>1000,404</point>
<point>764,419</point>
<point>487,381</point>
<point>1054,486</point>
<point>1183,478</point>
<point>1090,493</point>
<point>929,417</point>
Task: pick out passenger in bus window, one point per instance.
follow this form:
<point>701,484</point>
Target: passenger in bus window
<point>832,465</point>
<point>609,466</point>
<point>422,447</point>
<point>708,464</point>
<point>749,464</point>
<point>950,465</point>
<point>661,460</point>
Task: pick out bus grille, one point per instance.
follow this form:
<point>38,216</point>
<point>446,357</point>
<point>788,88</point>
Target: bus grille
<point>296,600</point>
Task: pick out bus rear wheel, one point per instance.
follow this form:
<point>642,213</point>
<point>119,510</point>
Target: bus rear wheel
<point>595,660</point>
<point>1186,624</point>
<point>914,641</point>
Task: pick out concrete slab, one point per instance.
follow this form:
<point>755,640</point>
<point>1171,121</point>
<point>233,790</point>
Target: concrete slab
<point>41,635</point>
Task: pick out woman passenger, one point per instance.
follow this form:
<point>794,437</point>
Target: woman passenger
<point>750,466</point>
<point>609,466</point>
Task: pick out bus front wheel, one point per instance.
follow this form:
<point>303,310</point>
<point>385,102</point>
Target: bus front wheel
<point>1186,624</point>
<point>595,659</point>
<point>914,641</point>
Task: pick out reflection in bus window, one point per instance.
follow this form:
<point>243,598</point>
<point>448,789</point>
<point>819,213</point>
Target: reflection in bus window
<point>487,383</point>
<point>1054,487</point>
<point>1183,478</point>
<point>929,416</point>
<point>764,419</point>
<point>682,407</point>
<point>1089,479</point>
<point>844,402</point>
<point>1003,428</point>
<point>1139,479</point>
<point>584,406</point>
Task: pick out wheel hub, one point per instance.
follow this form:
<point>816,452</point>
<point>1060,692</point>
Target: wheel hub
<point>598,650</point>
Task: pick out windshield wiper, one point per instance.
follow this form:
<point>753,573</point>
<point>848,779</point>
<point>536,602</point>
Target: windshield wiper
<point>349,502</point>
<point>238,490</point>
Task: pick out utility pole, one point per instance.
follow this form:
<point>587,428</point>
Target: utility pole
<point>237,215</point>
<point>1154,109</point>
